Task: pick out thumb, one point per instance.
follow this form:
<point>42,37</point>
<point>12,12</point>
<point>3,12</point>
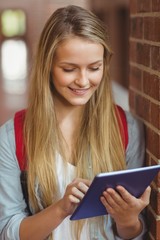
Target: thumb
<point>146,195</point>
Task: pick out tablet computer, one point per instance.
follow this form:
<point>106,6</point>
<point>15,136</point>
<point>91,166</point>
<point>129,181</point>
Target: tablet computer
<point>134,180</point>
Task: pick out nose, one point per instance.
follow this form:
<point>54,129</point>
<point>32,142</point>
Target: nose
<point>82,79</point>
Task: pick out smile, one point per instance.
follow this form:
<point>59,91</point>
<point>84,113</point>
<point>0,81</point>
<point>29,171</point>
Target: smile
<point>79,91</point>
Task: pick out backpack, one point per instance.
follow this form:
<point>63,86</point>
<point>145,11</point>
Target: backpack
<point>20,149</point>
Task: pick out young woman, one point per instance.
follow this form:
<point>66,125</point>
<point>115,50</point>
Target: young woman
<point>72,131</point>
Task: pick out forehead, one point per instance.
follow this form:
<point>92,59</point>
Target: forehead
<point>76,48</point>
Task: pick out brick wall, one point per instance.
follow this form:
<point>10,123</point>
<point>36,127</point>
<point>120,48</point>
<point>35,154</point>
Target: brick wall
<point>144,89</point>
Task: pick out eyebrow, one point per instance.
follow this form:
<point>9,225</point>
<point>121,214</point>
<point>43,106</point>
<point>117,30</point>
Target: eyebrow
<point>74,64</point>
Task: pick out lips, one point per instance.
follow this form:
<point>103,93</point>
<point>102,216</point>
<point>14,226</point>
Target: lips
<point>79,91</point>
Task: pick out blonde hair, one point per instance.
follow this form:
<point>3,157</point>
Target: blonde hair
<point>100,139</point>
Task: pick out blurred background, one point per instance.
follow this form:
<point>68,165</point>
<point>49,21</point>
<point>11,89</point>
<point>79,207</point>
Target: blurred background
<point>21,22</point>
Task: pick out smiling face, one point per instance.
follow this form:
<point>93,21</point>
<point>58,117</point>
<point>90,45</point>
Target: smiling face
<point>77,70</point>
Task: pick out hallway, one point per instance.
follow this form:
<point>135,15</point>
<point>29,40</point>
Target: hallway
<point>10,103</point>
<point>13,92</point>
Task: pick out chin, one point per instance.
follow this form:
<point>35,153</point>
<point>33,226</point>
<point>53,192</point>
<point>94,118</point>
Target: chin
<point>79,103</point>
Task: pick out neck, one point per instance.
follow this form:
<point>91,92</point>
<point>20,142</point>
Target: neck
<point>67,112</point>
<point>69,120</point>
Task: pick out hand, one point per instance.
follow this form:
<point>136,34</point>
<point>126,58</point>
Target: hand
<point>74,193</point>
<point>123,207</point>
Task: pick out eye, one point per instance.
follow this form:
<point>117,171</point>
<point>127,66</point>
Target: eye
<point>68,69</point>
<point>94,68</point>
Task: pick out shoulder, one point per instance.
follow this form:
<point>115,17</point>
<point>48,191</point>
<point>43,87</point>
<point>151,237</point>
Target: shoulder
<point>135,126</point>
<point>133,121</point>
<point>6,131</point>
<point>136,144</point>
<point>7,145</point>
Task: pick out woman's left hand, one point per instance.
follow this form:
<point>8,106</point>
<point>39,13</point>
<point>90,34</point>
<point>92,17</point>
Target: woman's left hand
<point>124,207</point>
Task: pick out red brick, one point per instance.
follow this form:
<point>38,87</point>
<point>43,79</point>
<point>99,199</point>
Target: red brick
<point>158,182</point>
<point>132,51</point>
<point>147,159</point>
<point>155,58</point>
<point>154,226</point>
<point>158,230</point>
<point>156,179</point>
<point>153,142</point>
<point>142,107</point>
<point>144,5</point>
<point>143,54</point>
<point>136,78</point>
<point>155,115</point>
<point>151,85</point>
<point>152,28</point>
<point>136,27</point>
<point>156,5</point>
<point>151,221</point>
<point>155,201</point>
<point>133,6</point>
<point>145,101</point>
<point>153,162</point>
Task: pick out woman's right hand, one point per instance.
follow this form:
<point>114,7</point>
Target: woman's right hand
<point>74,193</point>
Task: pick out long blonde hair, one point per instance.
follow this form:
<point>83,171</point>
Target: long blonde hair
<point>100,138</point>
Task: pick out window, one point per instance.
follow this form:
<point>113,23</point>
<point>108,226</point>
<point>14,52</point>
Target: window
<point>13,51</point>
<point>14,65</point>
<point>13,23</point>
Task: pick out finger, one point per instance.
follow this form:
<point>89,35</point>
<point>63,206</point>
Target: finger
<point>83,187</point>
<point>107,205</point>
<point>85,181</point>
<point>146,195</point>
<point>77,193</point>
<point>73,199</point>
<point>127,197</point>
<point>113,198</point>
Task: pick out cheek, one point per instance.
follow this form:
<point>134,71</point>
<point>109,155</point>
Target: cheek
<point>96,80</point>
<point>60,79</point>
